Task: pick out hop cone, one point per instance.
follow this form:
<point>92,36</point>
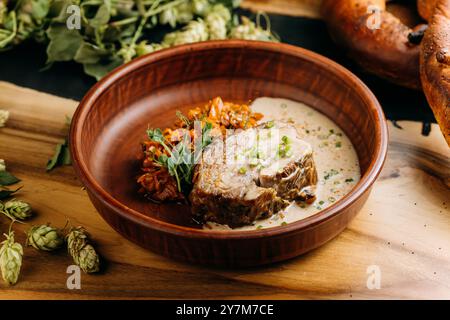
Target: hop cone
<point>17,210</point>
<point>82,252</point>
<point>45,238</point>
<point>10,259</point>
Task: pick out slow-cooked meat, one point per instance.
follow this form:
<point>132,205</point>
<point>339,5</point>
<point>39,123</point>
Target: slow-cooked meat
<point>253,174</point>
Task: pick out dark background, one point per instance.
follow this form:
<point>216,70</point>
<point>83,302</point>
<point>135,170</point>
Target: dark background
<point>24,66</point>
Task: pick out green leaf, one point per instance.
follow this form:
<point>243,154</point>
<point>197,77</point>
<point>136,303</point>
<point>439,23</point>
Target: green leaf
<point>206,134</point>
<point>171,166</point>
<point>54,160</point>
<point>155,135</point>
<point>99,70</point>
<point>112,33</point>
<point>7,178</point>
<point>40,9</point>
<point>60,157</point>
<point>10,21</point>
<point>66,158</point>
<point>89,53</point>
<point>101,17</point>
<point>162,159</point>
<point>58,10</point>
<point>6,193</point>
<point>64,43</point>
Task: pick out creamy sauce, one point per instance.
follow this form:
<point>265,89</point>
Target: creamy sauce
<point>334,155</point>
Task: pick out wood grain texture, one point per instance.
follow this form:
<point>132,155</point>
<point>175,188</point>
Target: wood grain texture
<point>403,228</point>
<point>297,8</point>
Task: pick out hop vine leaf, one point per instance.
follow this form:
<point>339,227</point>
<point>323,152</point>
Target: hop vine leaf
<point>114,32</point>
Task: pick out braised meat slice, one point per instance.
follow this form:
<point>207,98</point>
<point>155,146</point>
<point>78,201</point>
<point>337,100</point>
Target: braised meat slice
<point>252,174</point>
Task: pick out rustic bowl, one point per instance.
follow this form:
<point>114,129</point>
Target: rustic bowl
<point>111,120</point>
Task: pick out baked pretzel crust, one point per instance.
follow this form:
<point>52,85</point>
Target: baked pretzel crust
<point>384,50</point>
<point>426,8</point>
<point>435,65</point>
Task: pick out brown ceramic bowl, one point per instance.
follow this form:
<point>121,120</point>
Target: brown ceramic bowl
<point>111,120</point>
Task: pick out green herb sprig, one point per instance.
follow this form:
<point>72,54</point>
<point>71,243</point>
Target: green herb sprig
<point>181,158</point>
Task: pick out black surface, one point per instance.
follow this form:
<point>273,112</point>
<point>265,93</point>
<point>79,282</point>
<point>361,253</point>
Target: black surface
<point>23,66</point>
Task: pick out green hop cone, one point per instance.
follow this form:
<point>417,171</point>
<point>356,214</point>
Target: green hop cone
<point>248,30</point>
<point>82,252</point>
<point>88,259</point>
<point>143,48</point>
<point>10,259</point>
<point>17,210</point>
<point>45,238</point>
<point>200,7</point>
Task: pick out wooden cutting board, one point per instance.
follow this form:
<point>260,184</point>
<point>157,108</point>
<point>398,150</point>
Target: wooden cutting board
<point>298,8</point>
<point>404,229</point>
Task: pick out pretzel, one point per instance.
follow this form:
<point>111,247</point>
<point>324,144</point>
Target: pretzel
<point>435,65</point>
<point>426,8</point>
<point>376,39</point>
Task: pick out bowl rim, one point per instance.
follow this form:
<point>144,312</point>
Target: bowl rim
<point>120,208</point>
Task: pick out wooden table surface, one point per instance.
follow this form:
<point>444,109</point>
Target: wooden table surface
<point>298,8</point>
<point>404,229</point>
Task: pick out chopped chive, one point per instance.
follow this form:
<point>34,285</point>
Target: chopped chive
<point>288,153</point>
<point>253,162</point>
<point>270,124</point>
<point>331,173</point>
